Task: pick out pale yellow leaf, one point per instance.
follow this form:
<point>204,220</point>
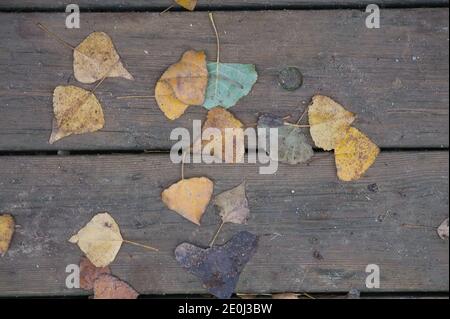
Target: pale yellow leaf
<point>100,240</point>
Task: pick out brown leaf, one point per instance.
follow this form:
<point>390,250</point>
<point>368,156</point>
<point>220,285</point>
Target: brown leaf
<point>77,111</point>
<point>89,273</point>
<point>189,197</point>
<point>183,84</point>
<point>219,267</point>
<point>96,58</point>
<point>233,205</point>
<point>110,287</point>
<point>7,225</point>
<point>443,230</point>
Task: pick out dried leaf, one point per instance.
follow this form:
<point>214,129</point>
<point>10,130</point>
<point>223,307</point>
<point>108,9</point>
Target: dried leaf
<point>100,240</point>
<point>77,111</point>
<point>189,197</point>
<point>228,83</point>
<point>187,4</point>
<point>89,273</point>
<point>183,84</point>
<point>354,155</point>
<point>233,205</point>
<point>7,225</point>
<point>219,267</point>
<point>442,230</point>
<point>293,147</point>
<point>329,122</point>
<point>96,58</point>
<point>221,119</point>
<point>110,287</point>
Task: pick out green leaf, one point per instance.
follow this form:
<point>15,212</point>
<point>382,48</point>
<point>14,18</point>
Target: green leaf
<point>228,83</point>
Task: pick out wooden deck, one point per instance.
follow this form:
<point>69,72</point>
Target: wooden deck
<point>396,79</point>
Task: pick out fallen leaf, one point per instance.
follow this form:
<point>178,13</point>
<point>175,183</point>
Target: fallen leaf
<point>76,111</point>
<point>329,122</point>
<point>96,58</point>
<point>187,4</point>
<point>183,84</point>
<point>354,155</point>
<point>442,230</point>
<point>233,205</point>
<point>219,267</point>
<point>228,83</point>
<point>7,225</point>
<point>100,240</point>
<point>107,286</point>
<point>189,197</point>
<point>293,147</point>
<point>89,273</point>
<point>221,119</point>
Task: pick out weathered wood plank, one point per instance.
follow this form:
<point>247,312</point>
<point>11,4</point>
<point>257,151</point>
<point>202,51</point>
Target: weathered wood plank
<point>208,4</point>
<point>395,78</point>
<point>300,210</point>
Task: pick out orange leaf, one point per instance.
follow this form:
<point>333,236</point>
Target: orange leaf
<point>182,85</point>
<point>189,197</point>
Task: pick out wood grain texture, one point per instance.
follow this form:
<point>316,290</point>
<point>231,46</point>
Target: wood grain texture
<point>395,78</point>
<point>299,211</point>
<point>208,4</point>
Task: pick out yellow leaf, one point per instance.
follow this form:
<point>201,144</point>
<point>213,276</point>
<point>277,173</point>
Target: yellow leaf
<point>354,154</point>
<point>183,84</point>
<point>189,197</point>
<point>329,121</point>
<point>77,111</point>
<point>187,4</point>
<point>221,119</point>
<point>96,58</point>
<point>7,225</point>
<point>100,240</point>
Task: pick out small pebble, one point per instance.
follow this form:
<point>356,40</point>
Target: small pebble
<point>290,78</point>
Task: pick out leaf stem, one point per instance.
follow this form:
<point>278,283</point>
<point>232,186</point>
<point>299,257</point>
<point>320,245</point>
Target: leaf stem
<point>211,17</point>
<point>302,116</point>
<point>56,37</point>
<point>296,125</point>
<point>171,7</point>
<point>217,234</point>
<point>140,245</point>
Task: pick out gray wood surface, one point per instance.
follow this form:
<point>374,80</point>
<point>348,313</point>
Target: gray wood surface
<point>299,211</point>
<point>395,78</point>
<point>208,4</point>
